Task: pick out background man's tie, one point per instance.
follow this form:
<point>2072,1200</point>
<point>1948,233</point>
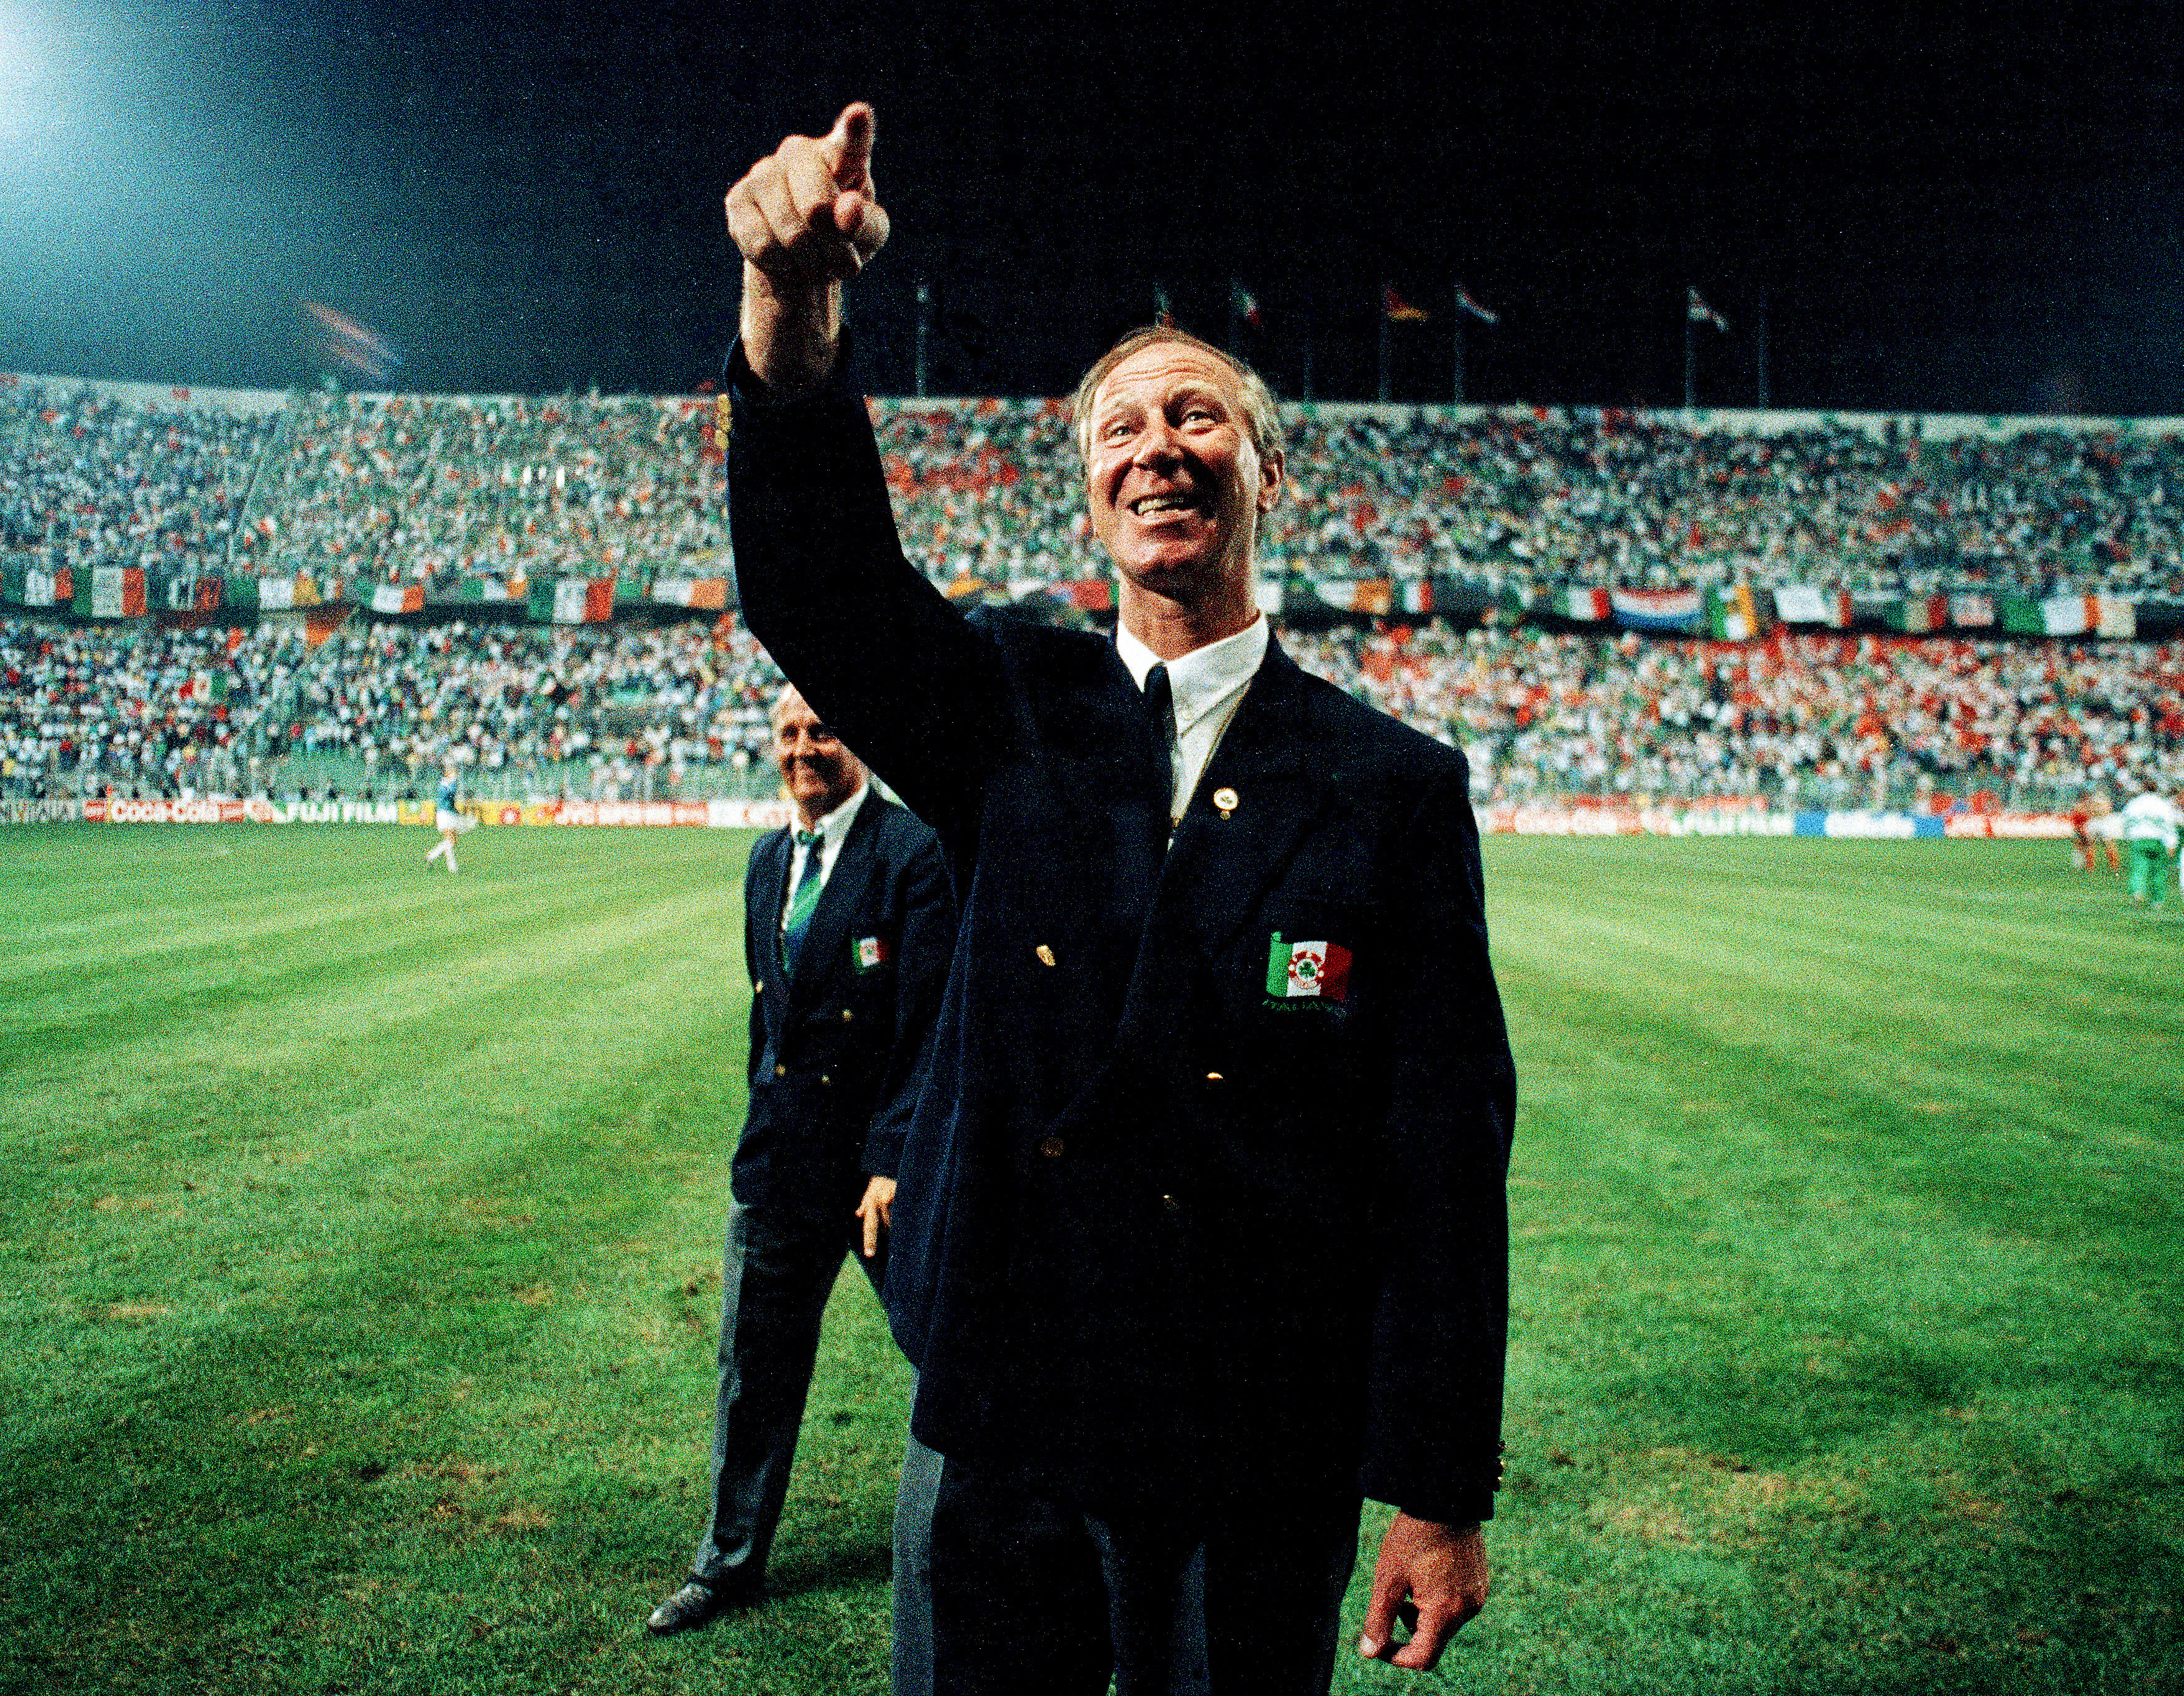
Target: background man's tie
<point>802,902</point>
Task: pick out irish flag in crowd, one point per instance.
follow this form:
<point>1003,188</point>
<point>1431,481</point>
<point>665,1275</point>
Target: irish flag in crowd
<point>29,587</point>
<point>1916,614</point>
<point>114,592</point>
<point>2109,615</point>
<point>1732,615</point>
<point>574,600</point>
<point>1375,596</point>
<point>1299,969</point>
<point>1587,606</point>
<point>707,594</point>
<point>1676,610</point>
<point>398,597</point>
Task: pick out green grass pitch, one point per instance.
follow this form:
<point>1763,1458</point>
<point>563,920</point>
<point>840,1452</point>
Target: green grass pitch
<point>359,1250</point>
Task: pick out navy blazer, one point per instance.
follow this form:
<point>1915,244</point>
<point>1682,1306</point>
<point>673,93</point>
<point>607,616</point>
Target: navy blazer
<point>838,1052</point>
<point>1207,1191</point>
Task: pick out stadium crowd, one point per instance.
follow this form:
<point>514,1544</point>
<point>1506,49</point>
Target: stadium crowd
<point>1829,721</point>
<point>435,490</point>
<point>159,711</point>
<point>87,481</point>
<point>1821,722</point>
<point>991,491</point>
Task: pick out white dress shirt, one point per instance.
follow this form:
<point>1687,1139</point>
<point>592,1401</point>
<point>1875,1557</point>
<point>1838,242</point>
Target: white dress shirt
<point>1207,686</point>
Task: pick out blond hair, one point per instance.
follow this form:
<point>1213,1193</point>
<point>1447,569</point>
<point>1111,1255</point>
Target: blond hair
<point>1260,413</point>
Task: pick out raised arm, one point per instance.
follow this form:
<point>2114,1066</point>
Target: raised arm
<point>819,570</point>
<point>805,220</point>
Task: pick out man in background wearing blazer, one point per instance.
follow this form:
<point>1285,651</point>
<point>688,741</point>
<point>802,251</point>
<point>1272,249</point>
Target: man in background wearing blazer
<point>848,922</point>
<point>1201,1236</point>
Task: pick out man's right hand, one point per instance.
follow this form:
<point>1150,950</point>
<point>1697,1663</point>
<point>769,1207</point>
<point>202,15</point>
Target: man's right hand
<point>805,219</point>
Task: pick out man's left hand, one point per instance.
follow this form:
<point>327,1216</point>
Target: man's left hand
<point>876,1210</point>
<point>1442,1569</point>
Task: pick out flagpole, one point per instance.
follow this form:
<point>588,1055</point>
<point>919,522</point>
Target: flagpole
<point>1458,317</point>
<point>1385,346</point>
<point>1690,357</point>
<point>924,319</point>
<point>1762,337</point>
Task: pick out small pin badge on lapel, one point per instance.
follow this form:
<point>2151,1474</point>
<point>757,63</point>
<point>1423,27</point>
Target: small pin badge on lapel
<point>1225,801</point>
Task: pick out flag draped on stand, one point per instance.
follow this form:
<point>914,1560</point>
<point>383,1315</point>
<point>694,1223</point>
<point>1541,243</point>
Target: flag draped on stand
<point>26,586</point>
<point>1667,610</point>
<point>275,594</point>
<point>1917,614</point>
<point>1700,313</point>
<point>2113,616</point>
<point>1732,615</point>
<point>1373,596</point>
<point>708,594</point>
<point>573,600</point>
<point>111,591</point>
<point>1804,603</point>
<point>398,597</point>
<point>1586,606</point>
<point>1971,612</point>
<point>2103,615</point>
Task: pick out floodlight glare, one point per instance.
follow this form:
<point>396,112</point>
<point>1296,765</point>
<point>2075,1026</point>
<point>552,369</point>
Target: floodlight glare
<point>31,71</point>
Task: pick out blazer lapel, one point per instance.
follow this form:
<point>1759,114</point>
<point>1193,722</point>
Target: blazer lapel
<point>762,924</point>
<point>1277,785</point>
<point>1218,868</point>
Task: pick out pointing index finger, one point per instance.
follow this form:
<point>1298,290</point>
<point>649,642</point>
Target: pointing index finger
<point>848,146</point>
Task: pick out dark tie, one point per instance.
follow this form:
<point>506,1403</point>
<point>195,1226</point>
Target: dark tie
<point>802,902</point>
<point>1160,739</point>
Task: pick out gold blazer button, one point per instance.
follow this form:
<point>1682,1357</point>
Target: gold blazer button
<point>1046,954</point>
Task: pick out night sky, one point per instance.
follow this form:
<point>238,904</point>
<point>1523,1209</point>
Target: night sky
<point>1927,206</point>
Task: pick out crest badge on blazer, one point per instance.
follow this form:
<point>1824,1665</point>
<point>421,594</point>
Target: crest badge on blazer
<point>1306,972</point>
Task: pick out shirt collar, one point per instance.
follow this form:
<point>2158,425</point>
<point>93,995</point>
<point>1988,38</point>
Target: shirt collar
<point>1206,676</point>
<point>836,825</point>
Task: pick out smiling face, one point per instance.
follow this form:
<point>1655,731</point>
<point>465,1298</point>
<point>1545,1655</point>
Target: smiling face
<point>816,771</point>
<point>1176,485</point>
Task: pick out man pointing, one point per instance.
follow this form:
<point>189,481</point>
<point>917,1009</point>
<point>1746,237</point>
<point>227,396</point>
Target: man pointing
<point>1200,1234</point>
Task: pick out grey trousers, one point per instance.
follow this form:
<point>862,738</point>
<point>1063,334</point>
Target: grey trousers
<point>776,1272</point>
<point>1031,1594</point>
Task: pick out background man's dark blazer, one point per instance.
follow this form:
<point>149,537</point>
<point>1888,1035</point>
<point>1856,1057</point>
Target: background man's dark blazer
<point>835,1053</point>
<point>1160,1229</point>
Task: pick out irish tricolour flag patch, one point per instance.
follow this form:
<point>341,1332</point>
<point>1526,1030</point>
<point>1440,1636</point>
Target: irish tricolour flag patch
<point>1295,970</point>
<point>874,953</point>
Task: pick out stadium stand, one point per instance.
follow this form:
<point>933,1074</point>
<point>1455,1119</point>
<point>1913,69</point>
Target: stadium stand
<point>222,591</point>
<point>680,710</point>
